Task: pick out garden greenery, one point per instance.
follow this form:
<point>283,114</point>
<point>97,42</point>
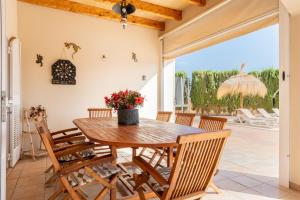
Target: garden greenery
<point>205,84</point>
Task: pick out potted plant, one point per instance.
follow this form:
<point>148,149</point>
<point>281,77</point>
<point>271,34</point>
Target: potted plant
<point>37,113</point>
<point>126,104</point>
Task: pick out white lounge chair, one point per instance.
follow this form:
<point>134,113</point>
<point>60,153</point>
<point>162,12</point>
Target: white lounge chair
<point>267,115</point>
<point>245,116</point>
<point>276,111</point>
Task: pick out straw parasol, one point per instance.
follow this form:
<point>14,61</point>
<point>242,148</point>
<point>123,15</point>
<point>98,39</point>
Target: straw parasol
<point>242,84</point>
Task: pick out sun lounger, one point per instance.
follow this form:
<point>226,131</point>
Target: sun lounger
<point>276,111</point>
<point>246,117</point>
<point>267,115</point>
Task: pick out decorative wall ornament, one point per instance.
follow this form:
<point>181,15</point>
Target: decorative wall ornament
<point>39,60</point>
<point>63,72</point>
<point>75,47</point>
<point>103,57</point>
<point>133,56</point>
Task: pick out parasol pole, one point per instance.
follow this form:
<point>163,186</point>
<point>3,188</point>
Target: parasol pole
<point>241,100</point>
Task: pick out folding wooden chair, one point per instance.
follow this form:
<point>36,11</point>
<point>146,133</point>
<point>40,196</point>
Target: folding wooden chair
<point>63,140</point>
<point>208,123</point>
<point>195,164</point>
<point>99,112</point>
<point>83,171</point>
<point>186,119</point>
<point>163,117</point>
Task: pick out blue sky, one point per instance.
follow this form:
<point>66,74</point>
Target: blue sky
<point>259,50</point>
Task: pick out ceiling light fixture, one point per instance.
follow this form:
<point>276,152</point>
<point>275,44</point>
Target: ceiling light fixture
<point>124,9</point>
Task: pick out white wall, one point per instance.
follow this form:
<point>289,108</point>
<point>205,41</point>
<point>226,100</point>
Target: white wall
<point>295,99</point>
<point>44,31</point>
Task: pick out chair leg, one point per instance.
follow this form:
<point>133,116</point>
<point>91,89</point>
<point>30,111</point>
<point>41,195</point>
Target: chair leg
<point>143,151</point>
<point>215,188</point>
<point>113,194</point>
<point>70,190</point>
<point>32,147</point>
<point>102,194</point>
<point>51,180</point>
<point>141,193</point>
<point>162,156</point>
<point>49,169</point>
<point>55,194</point>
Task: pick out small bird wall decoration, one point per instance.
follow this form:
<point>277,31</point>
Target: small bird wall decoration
<point>134,57</point>
<point>75,47</point>
<point>39,60</point>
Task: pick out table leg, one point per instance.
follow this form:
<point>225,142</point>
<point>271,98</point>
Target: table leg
<point>114,154</point>
<point>133,152</point>
<point>170,156</point>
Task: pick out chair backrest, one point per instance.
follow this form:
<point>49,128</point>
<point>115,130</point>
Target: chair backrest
<point>43,119</point>
<point>276,111</point>
<point>99,112</point>
<point>195,164</point>
<point>247,113</point>
<point>163,116</point>
<point>212,123</point>
<point>264,113</point>
<point>44,133</point>
<point>185,119</point>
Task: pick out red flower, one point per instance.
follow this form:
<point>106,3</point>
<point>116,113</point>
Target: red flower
<point>130,107</point>
<point>139,100</point>
<point>127,99</point>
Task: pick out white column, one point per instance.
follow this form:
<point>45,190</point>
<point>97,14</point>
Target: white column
<point>169,85</point>
<point>284,97</point>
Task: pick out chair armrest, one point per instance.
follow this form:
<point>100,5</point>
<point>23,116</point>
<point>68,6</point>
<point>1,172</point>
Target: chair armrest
<point>92,162</point>
<point>69,145</point>
<point>146,167</point>
<point>68,136</point>
<point>74,149</point>
<point>72,139</point>
<point>64,131</point>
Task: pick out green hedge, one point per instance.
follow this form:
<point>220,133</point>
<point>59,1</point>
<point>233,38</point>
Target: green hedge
<point>205,85</point>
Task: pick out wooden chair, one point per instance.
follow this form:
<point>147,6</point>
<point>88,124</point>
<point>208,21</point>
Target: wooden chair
<point>186,119</point>
<point>99,112</point>
<point>208,123</point>
<point>163,117</point>
<point>195,164</point>
<point>83,171</point>
<point>63,140</point>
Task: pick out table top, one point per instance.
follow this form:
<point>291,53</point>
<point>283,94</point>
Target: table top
<point>148,133</point>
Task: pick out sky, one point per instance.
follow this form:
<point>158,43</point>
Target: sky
<point>258,50</point>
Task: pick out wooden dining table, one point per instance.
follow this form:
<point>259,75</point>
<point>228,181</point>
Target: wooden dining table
<point>148,133</point>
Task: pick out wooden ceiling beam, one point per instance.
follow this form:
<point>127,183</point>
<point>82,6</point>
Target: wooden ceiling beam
<point>158,10</point>
<point>198,2</point>
<point>80,8</point>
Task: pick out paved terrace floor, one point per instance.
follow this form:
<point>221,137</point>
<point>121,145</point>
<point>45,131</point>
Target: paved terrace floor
<point>248,171</point>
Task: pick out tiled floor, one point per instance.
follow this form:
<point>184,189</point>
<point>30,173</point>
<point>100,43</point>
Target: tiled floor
<point>248,171</point>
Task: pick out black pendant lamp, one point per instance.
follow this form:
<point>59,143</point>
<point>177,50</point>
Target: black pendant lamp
<point>124,9</point>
